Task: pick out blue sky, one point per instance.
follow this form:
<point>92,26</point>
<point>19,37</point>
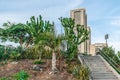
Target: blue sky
<point>103,15</point>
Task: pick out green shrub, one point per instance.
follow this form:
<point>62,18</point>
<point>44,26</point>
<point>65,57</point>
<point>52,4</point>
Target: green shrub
<point>5,56</point>
<point>14,55</point>
<point>38,62</point>
<point>1,55</point>
<point>47,54</point>
<point>4,79</point>
<point>22,75</point>
<point>70,68</point>
<point>29,54</point>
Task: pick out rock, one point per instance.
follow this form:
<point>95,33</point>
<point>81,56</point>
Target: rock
<point>37,68</point>
<point>53,72</point>
<point>14,62</point>
<point>50,72</point>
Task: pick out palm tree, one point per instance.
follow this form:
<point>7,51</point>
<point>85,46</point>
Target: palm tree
<point>54,43</point>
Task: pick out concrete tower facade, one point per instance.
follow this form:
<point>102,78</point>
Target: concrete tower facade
<point>80,17</point>
<point>89,40</point>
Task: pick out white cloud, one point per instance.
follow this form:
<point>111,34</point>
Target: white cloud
<point>115,22</point>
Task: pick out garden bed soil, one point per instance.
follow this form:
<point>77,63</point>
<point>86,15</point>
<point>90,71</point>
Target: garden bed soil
<point>9,69</point>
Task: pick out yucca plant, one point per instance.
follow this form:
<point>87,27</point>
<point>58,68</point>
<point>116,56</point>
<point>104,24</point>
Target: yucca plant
<point>81,72</point>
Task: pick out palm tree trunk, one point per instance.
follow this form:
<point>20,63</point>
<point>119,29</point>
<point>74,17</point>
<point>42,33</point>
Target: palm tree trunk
<point>54,68</point>
<point>60,64</point>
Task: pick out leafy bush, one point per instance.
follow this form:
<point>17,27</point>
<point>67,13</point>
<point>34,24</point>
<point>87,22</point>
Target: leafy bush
<point>14,55</point>
<point>22,75</point>
<point>38,62</point>
<point>5,56</point>
<point>108,53</point>
<point>29,54</point>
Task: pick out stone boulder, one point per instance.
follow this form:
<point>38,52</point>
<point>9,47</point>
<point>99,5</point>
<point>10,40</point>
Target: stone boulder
<point>37,68</point>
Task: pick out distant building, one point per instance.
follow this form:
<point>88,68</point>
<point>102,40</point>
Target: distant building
<point>94,48</point>
<point>80,17</point>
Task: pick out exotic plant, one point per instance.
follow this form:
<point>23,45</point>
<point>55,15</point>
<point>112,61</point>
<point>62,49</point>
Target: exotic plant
<point>74,36</point>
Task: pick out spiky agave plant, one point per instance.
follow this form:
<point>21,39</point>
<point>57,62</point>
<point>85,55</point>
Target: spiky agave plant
<point>81,72</point>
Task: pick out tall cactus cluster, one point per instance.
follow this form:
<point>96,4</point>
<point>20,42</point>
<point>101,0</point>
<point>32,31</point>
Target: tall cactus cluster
<point>75,35</point>
<point>37,27</point>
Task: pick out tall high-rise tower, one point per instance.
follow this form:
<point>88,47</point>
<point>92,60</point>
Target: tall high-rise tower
<point>80,17</point>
